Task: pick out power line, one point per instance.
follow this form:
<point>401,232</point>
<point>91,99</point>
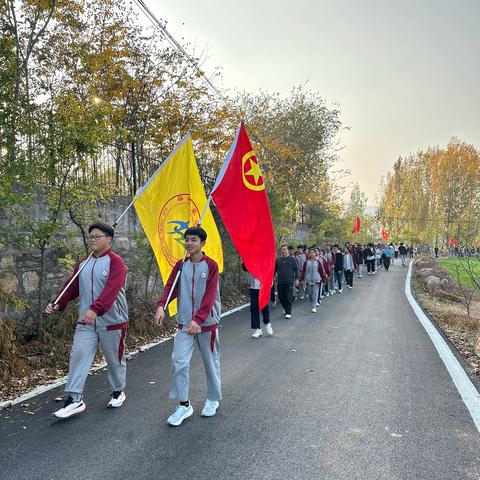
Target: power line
<point>156,22</point>
<point>176,44</point>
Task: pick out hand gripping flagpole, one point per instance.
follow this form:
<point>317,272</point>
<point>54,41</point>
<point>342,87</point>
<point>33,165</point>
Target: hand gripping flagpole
<point>177,276</point>
<point>55,302</point>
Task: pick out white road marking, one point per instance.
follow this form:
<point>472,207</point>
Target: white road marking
<point>465,387</point>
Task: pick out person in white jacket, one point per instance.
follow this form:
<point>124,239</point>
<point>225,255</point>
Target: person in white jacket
<point>348,267</point>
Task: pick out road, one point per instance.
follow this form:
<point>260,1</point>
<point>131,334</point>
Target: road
<point>356,391</point>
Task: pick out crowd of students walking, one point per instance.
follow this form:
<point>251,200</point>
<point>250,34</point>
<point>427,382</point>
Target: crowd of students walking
<point>316,273</point>
<point>99,281</point>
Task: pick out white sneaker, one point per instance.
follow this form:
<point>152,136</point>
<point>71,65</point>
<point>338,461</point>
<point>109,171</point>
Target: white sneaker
<point>340,291</point>
<point>314,310</point>
<point>288,315</point>
<point>269,329</point>
<point>70,408</point>
<point>257,333</point>
<point>179,415</point>
<point>117,399</point>
<point>350,286</point>
<point>359,276</point>
<point>318,304</point>
<point>210,408</point>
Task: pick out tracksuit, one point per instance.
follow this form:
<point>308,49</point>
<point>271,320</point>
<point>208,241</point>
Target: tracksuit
<point>101,287</point>
<point>198,299</point>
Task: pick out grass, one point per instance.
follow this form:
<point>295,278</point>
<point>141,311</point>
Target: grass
<point>465,279</point>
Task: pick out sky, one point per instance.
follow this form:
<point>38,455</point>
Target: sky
<point>405,75</point>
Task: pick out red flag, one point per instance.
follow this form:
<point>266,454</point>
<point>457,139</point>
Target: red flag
<point>356,225</point>
<point>453,242</point>
<point>240,196</point>
<point>385,234</point>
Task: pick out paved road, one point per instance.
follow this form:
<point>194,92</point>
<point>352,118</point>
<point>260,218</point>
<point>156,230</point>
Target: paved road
<point>356,391</point>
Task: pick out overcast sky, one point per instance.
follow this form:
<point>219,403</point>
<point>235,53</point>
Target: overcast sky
<point>404,74</point>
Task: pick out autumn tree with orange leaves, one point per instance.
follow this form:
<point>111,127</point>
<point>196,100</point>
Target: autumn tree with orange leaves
<point>433,196</point>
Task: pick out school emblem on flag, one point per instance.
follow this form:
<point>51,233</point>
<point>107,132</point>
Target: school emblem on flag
<point>169,203</point>
<point>178,213</point>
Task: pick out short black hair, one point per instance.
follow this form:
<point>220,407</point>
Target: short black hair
<point>104,227</point>
<point>291,247</point>
<point>198,231</point>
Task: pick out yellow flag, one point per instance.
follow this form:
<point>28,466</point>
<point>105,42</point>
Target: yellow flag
<point>169,203</point>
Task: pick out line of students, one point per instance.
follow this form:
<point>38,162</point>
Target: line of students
<point>317,273</point>
<point>103,312</point>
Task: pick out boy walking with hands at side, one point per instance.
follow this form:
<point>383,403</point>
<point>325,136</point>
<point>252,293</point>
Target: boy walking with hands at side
<point>198,316</point>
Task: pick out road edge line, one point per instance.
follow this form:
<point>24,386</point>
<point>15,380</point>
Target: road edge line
<point>465,387</point>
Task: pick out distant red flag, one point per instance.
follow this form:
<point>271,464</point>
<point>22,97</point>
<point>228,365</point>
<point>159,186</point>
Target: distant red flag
<point>453,242</point>
<point>356,225</point>
<point>385,234</point>
<point>241,199</point>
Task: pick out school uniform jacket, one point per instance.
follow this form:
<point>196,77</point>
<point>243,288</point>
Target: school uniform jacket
<point>101,287</point>
<point>301,258</point>
<point>313,272</point>
<point>197,292</point>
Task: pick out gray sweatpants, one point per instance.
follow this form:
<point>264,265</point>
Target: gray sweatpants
<point>313,290</point>
<point>83,351</point>
<point>183,345</point>
<point>331,283</point>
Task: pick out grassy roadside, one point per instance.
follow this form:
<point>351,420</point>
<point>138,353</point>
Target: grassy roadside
<point>450,315</point>
<point>451,264</point>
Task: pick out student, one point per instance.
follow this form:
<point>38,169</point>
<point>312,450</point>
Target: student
<point>254,288</point>
<point>359,259</point>
<point>330,255</point>
<point>312,276</point>
<point>338,267</point>
<point>348,267</point>
<point>392,256</point>
<point>326,274</point>
<point>387,255</point>
<point>286,269</point>
<point>369,255</point>
<point>198,316</point>
<point>301,257</point>
<point>320,287</point>
<point>402,250</point>
<point>103,318</point>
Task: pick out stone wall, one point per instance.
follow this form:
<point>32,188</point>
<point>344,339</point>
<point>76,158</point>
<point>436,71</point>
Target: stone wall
<point>20,267</point>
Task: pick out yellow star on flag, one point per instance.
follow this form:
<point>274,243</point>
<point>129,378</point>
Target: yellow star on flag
<point>254,170</point>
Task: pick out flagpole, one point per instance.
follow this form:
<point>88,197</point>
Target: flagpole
<point>55,302</point>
